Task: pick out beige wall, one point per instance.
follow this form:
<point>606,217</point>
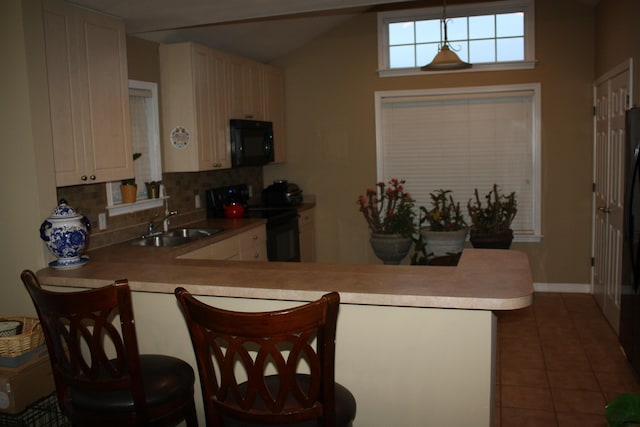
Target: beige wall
<point>330,86</point>
<point>26,171</point>
<point>617,38</point>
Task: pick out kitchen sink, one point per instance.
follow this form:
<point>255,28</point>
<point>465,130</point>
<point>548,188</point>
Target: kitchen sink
<point>176,237</point>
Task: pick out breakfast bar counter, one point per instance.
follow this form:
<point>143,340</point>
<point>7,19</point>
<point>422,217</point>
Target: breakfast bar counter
<point>415,344</point>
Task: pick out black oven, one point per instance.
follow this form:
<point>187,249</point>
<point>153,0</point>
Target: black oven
<point>283,242</point>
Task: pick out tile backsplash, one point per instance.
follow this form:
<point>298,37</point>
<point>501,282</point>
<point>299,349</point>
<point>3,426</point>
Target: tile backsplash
<point>182,187</point>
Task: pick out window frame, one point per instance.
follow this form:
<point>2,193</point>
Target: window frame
<point>463,10</point>
<point>114,199</point>
<point>536,154</point>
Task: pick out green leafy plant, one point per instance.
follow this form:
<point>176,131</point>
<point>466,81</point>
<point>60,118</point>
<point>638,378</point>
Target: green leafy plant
<point>445,213</point>
<point>623,411</point>
<point>496,216</point>
<point>388,209</point>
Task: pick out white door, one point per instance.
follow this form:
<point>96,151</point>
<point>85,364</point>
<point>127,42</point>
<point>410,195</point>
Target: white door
<point>611,94</point>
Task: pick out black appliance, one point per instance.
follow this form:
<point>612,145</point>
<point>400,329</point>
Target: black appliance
<point>251,142</point>
<point>283,240</point>
<point>282,193</point>
<point>630,296</point>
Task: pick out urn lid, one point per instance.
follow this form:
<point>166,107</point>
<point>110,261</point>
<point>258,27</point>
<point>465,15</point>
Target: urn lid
<point>64,211</point>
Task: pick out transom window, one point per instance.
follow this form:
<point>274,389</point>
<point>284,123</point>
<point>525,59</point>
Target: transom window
<point>488,35</point>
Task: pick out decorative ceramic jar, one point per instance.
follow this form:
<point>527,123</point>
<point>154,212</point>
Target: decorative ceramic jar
<point>65,232</point>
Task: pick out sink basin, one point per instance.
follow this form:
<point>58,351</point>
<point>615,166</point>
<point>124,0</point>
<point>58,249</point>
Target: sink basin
<point>192,233</point>
<point>176,237</point>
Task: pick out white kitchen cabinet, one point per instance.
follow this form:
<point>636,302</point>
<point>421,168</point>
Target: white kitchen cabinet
<point>250,245</point>
<point>88,94</point>
<point>274,109</point>
<point>306,226</point>
<point>194,108</point>
<point>246,88</point>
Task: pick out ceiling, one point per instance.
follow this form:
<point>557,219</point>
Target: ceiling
<point>260,29</point>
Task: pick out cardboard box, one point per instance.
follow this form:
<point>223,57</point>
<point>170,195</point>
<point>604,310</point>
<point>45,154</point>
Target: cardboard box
<point>25,384</point>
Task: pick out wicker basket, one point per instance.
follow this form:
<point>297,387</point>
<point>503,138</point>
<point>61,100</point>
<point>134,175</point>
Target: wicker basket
<point>30,338</point>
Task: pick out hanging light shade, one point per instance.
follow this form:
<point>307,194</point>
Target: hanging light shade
<point>445,59</point>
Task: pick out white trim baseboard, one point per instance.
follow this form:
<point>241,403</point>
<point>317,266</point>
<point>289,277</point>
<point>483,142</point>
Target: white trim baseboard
<point>577,288</point>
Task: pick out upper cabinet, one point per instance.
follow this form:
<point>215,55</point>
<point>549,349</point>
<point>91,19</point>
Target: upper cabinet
<point>274,108</point>
<point>201,90</point>
<point>194,108</point>
<point>88,95</point>
<point>246,88</point>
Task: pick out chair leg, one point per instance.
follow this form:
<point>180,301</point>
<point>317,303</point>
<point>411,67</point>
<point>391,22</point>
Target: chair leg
<point>191,416</point>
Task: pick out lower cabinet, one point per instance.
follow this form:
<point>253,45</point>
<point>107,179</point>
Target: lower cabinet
<point>307,236</point>
<point>250,245</point>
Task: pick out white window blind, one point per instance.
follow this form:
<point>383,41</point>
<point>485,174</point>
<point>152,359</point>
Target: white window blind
<point>462,140</point>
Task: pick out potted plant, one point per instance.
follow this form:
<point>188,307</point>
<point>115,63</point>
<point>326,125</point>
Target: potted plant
<point>623,411</point>
<point>447,230</point>
<point>491,224</point>
<point>389,213</point>
<point>128,187</point>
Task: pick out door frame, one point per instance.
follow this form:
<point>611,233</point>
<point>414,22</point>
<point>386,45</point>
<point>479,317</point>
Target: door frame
<point>625,66</point>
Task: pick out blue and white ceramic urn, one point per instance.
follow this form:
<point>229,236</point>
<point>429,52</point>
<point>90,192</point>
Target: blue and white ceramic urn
<point>65,232</point>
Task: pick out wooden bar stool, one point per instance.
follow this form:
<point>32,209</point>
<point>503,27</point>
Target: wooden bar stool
<point>236,352</point>
<point>101,379</point>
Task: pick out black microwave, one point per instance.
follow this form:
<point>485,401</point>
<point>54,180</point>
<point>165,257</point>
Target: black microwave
<point>251,142</point>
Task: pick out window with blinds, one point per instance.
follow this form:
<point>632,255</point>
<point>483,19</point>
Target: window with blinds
<point>145,139</point>
<point>463,139</point>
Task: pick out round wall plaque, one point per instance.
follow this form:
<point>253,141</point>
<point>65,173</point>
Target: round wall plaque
<point>180,137</point>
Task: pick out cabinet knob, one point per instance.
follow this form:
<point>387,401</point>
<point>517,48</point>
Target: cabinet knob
<point>256,255</point>
<point>255,237</point>
<point>92,177</point>
<point>83,177</point>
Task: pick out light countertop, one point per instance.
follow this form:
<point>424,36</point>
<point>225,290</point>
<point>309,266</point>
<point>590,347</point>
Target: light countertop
<point>485,279</point>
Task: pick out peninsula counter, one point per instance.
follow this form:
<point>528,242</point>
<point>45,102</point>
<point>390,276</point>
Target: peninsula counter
<point>416,345</point>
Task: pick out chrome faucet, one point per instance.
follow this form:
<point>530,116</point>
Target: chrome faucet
<point>151,226</point>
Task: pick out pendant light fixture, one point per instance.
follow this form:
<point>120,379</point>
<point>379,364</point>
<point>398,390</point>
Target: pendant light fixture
<point>446,59</point>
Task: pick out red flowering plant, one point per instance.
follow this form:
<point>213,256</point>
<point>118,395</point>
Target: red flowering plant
<point>389,209</point>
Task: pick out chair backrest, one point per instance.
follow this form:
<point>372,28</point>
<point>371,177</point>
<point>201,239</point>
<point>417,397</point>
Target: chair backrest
<point>236,351</point>
<point>87,351</point>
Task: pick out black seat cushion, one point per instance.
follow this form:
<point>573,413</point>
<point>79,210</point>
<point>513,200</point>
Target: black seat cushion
<point>164,378</point>
<point>345,405</point>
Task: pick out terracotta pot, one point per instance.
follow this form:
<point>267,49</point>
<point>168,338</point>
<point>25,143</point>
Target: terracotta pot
<point>128,193</point>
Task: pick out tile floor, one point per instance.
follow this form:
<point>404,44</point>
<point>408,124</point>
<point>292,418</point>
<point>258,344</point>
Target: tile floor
<point>558,364</point>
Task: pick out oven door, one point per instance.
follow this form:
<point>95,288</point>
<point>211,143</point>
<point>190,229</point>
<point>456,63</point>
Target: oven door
<point>283,241</point>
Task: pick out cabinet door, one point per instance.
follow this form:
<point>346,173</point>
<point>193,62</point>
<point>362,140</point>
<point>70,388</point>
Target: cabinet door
<point>194,96</point>
<point>253,244</point>
<point>274,109</point>
<point>245,89</point>
<point>203,90</point>
<point>89,101</point>
<point>224,250</point>
<point>222,137</point>
<point>306,225</point>
<point>64,94</point>
<point>103,42</point>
